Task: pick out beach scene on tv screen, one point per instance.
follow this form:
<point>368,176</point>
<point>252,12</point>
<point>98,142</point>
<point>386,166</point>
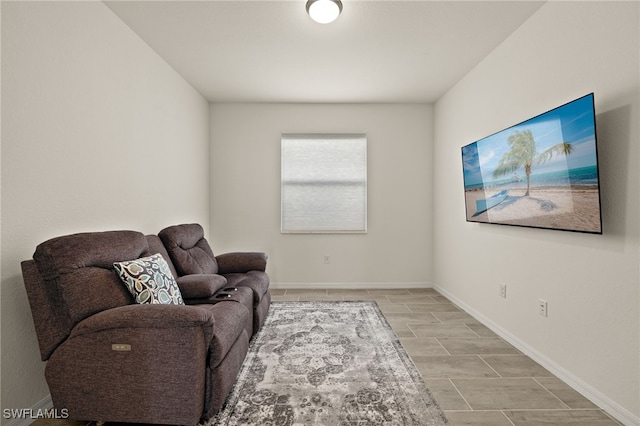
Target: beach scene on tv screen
<point>541,173</point>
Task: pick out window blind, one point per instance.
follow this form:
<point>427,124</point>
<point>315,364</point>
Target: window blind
<point>324,183</point>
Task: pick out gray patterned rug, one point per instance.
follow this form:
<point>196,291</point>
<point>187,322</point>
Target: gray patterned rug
<point>328,363</point>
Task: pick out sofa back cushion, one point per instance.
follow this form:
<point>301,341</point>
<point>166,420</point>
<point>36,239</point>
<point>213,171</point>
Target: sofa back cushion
<point>189,250</point>
<point>80,268</point>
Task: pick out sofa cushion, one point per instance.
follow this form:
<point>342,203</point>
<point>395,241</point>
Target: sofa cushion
<point>80,269</point>
<point>149,280</point>
<point>188,249</point>
<point>199,286</point>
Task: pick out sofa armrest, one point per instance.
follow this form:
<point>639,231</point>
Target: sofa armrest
<point>197,286</point>
<point>119,360</point>
<point>241,262</point>
<point>148,316</point>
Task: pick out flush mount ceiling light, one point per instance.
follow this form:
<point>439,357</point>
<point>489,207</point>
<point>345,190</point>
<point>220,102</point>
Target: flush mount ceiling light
<point>324,11</point>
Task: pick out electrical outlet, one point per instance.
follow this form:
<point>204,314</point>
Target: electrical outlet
<point>502,290</point>
<point>327,259</point>
<point>542,308</point>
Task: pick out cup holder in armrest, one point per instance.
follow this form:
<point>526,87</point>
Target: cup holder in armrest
<point>227,293</point>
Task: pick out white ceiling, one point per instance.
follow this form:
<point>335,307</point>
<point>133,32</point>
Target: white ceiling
<point>271,51</point>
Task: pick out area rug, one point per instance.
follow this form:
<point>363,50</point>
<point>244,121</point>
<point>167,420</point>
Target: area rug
<point>328,363</point>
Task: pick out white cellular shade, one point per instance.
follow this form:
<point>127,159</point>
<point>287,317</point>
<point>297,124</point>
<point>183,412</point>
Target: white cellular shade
<point>324,183</point>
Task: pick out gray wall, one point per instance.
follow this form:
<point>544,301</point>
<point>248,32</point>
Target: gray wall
<point>98,133</point>
<point>245,193</point>
<point>590,338</point>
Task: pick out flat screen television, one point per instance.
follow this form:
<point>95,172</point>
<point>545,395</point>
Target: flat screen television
<point>541,173</point>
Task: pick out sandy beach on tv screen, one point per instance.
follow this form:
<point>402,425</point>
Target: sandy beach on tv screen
<point>571,208</point>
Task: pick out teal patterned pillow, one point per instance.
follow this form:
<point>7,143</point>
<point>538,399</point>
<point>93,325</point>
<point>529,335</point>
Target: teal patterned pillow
<point>150,280</point>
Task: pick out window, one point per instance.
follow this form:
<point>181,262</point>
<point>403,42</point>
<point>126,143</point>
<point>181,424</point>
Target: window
<point>324,183</point>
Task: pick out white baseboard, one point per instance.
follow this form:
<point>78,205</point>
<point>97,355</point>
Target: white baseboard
<point>621,414</point>
<point>349,286</point>
<point>43,405</point>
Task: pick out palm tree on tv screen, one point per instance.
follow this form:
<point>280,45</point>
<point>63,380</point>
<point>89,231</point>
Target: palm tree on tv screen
<point>523,153</point>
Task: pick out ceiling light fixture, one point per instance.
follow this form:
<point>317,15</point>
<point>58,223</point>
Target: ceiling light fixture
<point>324,11</point>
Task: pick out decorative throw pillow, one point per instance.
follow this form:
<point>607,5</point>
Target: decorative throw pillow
<point>150,280</point>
